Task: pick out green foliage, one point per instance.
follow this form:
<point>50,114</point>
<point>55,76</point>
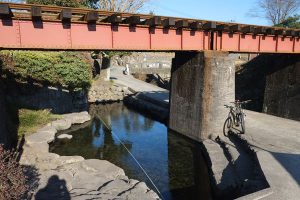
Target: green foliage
<point>31,120</point>
<point>291,22</point>
<point>65,3</point>
<point>67,69</point>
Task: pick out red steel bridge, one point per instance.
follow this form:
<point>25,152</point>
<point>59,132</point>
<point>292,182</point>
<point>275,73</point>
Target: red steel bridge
<point>26,26</point>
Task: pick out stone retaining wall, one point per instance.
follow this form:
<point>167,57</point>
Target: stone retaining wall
<point>107,91</point>
<point>144,60</point>
<point>58,100</point>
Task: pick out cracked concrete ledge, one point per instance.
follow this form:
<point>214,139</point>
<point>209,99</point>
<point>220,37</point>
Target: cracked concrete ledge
<point>232,174</point>
<point>73,177</point>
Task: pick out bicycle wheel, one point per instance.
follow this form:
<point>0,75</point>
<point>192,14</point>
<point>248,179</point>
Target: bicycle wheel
<point>242,121</point>
<point>227,126</point>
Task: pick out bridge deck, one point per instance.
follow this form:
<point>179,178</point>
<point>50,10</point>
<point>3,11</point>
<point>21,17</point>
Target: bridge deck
<point>26,26</point>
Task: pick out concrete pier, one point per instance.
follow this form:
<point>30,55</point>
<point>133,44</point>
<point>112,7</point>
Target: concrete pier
<point>201,83</point>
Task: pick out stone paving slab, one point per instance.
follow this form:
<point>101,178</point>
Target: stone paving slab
<point>73,177</point>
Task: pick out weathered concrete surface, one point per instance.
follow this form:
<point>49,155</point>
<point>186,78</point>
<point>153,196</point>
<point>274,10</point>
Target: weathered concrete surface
<point>144,60</point>
<point>148,97</point>
<point>273,83</point>
<point>277,142</point>
<point>201,84</point>
<point>145,91</point>
<point>282,92</point>
<point>235,170</point>
<point>59,100</point>
<point>72,177</point>
<point>166,71</point>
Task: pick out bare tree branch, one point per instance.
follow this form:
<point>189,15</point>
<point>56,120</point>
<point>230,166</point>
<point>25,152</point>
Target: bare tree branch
<point>121,5</point>
<point>275,11</point>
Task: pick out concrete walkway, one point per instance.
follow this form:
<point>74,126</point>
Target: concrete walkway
<point>275,140</point>
<point>150,92</point>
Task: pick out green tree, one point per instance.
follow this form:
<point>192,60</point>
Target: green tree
<point>291,22</point>
<point>110,5</point>
<point>64,3</point>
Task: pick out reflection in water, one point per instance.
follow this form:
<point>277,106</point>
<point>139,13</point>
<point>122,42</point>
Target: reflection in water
<point>174,163</point>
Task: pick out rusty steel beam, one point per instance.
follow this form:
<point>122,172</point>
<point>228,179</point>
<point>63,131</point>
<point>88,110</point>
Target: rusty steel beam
<point>92,29</point>
<point>20,34</point>
<point>49,12</point>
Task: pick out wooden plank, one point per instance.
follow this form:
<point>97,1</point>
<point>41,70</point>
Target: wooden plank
<point>154,21</point>
<point>133,20</point>
<point>260,30</point>
<point>209,25</point>
<point>280,32</point>
<point>36,12</point>
<point>65,14</point>
<point>291,33</point>
<point>235,28</point>
<point>248,29</point>
<point>4,9</point>
<point>223,27</point>
<point>195,25</point>
<point>91,16</point>
<point>182,24</point>
<point>115,18</point>
<point>270,31</point>
<point>169,22</point>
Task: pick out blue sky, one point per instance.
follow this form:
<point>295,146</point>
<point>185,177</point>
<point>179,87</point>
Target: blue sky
<point>218,10</point>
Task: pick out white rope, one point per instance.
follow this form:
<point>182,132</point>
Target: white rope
<point>137,162</point>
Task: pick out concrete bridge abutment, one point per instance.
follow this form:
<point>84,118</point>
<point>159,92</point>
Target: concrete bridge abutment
<point>201,83</point>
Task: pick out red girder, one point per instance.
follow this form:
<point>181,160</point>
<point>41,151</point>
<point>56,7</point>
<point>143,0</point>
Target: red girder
<point>25,34</point>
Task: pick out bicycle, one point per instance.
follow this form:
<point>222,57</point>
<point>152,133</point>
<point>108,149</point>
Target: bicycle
<point>236,117</point>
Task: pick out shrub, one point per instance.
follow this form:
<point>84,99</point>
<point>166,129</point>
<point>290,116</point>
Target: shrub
<point>67,69</point>
<point>13,182</point>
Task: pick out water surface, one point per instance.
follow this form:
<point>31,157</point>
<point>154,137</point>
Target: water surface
<point>174,163</point>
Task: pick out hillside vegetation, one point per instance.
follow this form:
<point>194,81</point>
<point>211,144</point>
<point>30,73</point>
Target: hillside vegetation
<point>67,69</point>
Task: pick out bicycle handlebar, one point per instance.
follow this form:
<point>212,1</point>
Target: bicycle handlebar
<point>227,106</point>
<point>241,102</point>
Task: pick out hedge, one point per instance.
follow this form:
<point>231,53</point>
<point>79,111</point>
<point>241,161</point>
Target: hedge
<point>67,69</point>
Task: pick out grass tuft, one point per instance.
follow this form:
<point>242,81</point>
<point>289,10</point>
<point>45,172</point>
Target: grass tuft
<point>32,120</point>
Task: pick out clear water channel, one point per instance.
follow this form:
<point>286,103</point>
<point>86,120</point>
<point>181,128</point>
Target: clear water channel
<point>174,163</point>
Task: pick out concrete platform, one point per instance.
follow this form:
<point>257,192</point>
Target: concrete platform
<point>148,91</point>
<point>275,140</point>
